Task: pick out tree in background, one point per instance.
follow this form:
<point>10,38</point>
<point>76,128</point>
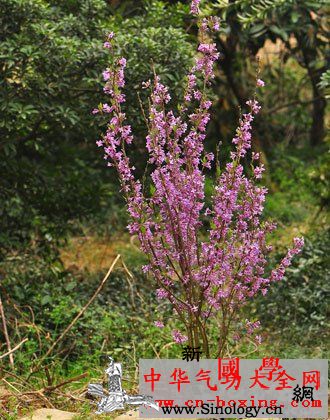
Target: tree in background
<point>300,25</point>
<point>49,55</point>
<point>51,58</point>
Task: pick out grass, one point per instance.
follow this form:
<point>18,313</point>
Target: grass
<point>120,321</point>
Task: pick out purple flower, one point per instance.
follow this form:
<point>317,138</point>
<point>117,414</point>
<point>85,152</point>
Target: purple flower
<point>191,81</point>
<point>159,324</point>
<point>194,9</point>
<point>255,107</point>
<point>298,243</point>
<point>251,326</point>
<point>258,170</point>
<point>216,24</point>
<point>106,108</point>
<point>161,294</point>
<point>260,83</point>
<point>258,339</point>
<point>178,337</point>
<point>198,272</point>
<point>255,156</point>
<point>122,62</point>
<point>106,75</point>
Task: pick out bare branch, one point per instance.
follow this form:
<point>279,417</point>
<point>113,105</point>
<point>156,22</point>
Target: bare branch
<point>14,349</point>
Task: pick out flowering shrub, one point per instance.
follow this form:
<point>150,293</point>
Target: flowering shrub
<point>206,276</point>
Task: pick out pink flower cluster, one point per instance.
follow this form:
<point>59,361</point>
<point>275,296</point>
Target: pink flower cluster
<point>205,277</point>
<point>194,9</point>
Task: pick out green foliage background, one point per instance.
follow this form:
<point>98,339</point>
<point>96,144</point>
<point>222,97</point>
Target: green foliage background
<point>55,188</point>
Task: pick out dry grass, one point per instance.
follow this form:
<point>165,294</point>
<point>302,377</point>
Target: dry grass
<point>92,253</point>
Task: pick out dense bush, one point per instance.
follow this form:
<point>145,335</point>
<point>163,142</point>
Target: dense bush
<point>52,57</point>
<point>48,74</point>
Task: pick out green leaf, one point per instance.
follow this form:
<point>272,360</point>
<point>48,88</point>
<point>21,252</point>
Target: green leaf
<point>279,31</point>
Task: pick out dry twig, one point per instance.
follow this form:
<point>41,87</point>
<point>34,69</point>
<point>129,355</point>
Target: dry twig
<point>81,312</point>
<point>5,331</point>
<point>76,378</point>
<point>9,353</point>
